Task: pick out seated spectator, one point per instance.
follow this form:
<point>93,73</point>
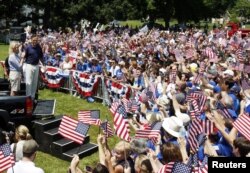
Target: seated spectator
<point>56,60</point>
<point>66,65</point>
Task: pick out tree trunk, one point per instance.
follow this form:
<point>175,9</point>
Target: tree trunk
<point>166,20</point>
<point>47,14</point>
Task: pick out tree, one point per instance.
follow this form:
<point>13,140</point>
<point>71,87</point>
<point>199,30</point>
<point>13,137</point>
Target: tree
<point>11,9</point>
<point>161,9</point>
<point>241,8</point>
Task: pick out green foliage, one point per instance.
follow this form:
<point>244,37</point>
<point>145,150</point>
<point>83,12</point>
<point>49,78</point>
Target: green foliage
<point>3,51</point>
<point>3,55</point>
<point>241,8</point>
<point>70,12</point>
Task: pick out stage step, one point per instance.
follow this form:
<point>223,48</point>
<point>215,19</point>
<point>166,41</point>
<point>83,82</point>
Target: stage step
<point>41,126</point>
<point>64,144</point>
<point>83,151</point>
<point>51,142</point>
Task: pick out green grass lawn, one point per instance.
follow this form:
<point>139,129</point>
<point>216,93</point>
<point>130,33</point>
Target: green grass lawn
<point>67,105</point>
<point>138,23</point>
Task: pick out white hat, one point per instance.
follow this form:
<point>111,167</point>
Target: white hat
<point>229,72</point>
<point>174,126</point>
<point>185,118</point>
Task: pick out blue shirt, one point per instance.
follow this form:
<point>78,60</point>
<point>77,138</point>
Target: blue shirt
<point>232,113</point>
<point>14,63</point>
<point>82,66</point>
<point>95,68</point>
<point>33,54</point>
<point>236,102</point>
<point>221,150</point>
<point>119,74</point>
<point>139,81</point>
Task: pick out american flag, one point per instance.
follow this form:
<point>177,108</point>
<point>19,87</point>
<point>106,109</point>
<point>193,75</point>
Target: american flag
<point>181,167</point>
<point>73,129</point>
<point>239,67</point>
<point>90,117</point>
<point>223,110</point>
<point>107,130</point>
<point>194,130</point>
<point>198,101</point>
<point>121,124</point>
<point>147,133</point>
<point>126,103</point>
<point>150,131</point>
<point>210,54</point>
<point>134,105</point>
<point>204,165</point>
<point>175,167</point>
<point>172,75</point>
<point>189,53</point>
<point>197,78</point>
<point>198,166</point>
<point>194,95</point>
<point>196,107</point>
<point>242,124</point>
<point>193,160</point>
<point>189,43</point>
<point>122,111</point>
<point>167,168</point>
<point>208,126</point>
<point>114,107</point>
<point>151,89</point>
<point>239,55</point>
<point>245,84</point>
<point>6,157</point>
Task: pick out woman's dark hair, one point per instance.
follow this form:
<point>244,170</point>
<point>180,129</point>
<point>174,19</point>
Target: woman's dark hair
<point>100,168</point>
<point>147,164</point>
<point>171,153</point>
<point>243,146</point>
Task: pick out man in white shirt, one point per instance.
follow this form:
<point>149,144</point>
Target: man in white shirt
<point>27,165</point>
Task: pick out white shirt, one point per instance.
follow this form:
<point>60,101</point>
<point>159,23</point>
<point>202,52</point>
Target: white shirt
<point>25,167</point>
<point>113,70</point>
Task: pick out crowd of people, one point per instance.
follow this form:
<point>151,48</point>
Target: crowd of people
<point>181,80</point>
